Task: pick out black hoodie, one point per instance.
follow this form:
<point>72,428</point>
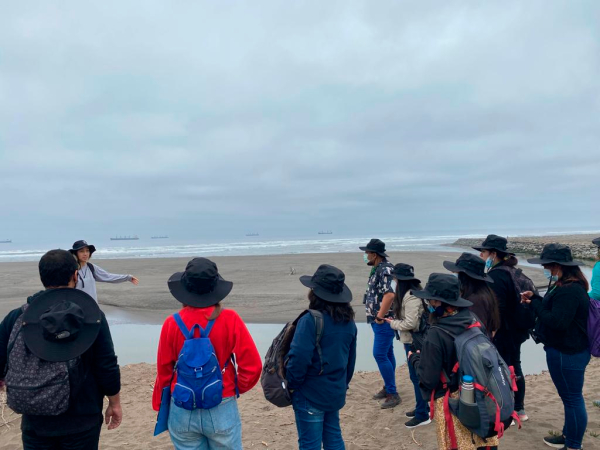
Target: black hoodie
<point>94,377</point>
<point>439,354</point>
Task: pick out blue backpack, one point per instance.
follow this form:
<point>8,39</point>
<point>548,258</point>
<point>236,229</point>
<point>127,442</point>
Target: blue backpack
<point>199,376</point>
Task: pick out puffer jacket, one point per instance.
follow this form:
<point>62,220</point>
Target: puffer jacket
<point>410,317</point>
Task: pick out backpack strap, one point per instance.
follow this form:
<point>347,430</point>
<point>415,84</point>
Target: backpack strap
<point>92,269</point>
<point>319,323</point>
<point>181,325</point>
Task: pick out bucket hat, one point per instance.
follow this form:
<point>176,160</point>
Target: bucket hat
<point>471,265</point>
<point>61,324</point>
<point>494,242</point>
<point>445,288</point>
<point>404,272</point>
<point>375,246</point>
<point>78,245</point>
<point>200,285</point>
<point>596,242</point>
<point>556,253</point>
<point>328,283</point>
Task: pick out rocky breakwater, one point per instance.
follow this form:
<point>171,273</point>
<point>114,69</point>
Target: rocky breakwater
<point>581,244</point>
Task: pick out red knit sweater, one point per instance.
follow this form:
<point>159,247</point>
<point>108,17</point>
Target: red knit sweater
<point>229,336</point>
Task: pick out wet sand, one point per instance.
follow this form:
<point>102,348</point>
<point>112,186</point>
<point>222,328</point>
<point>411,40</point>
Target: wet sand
<point>263,291</point>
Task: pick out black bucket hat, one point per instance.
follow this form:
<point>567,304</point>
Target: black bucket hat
<point>328,284</point>
<point>445,288</point>
<point>494,242</point>
<point>556,253</point>
<point>375,246</point>
<point>404,272</point>
<point>61,324</point>
<point>596,242</point>
<point>78,245</point>
<point>471,265</point>
<point>200,285</point>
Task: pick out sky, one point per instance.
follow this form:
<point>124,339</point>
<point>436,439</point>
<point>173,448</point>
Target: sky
<point>215,119</point>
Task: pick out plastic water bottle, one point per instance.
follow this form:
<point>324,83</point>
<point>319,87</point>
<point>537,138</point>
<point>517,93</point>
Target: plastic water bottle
<point>467,392</point>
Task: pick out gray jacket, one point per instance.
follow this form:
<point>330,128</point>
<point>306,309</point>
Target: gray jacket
<point>410,316</point>
<point>86,281</point>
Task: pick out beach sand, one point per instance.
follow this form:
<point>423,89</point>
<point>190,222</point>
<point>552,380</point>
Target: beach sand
<point>263,291</point>
<point>364,424</point>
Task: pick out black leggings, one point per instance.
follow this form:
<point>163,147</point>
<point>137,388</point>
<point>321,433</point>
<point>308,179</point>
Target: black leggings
<point>85,440</point>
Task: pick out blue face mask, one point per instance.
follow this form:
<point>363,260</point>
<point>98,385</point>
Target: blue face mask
<point>439,311</point>
<point>365,258</point>
<point>489,263</point>
<point>549,275</point>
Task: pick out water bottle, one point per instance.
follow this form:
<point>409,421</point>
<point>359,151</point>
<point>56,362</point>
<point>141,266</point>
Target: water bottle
<point>467,392</point>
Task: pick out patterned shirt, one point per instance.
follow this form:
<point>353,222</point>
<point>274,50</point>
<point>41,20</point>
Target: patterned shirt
<point>380,283</point>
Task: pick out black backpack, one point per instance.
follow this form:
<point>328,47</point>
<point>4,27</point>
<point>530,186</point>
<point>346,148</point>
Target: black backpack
<point>273,379</point>
<point>524,316</point>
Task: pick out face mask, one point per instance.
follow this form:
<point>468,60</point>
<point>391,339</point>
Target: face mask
<point>549,275</point>
<point>489,263</point>
<point>365,258</point>
<point>439,311</point>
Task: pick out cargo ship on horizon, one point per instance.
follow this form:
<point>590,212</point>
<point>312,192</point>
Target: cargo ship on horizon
<point>125,238</point>
<point>6,241</point>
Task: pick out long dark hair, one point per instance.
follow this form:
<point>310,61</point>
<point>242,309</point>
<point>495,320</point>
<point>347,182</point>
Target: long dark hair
<point>401,289</point>
<point>339,312</point>
<point>471,287</point>
<point>573,274</point>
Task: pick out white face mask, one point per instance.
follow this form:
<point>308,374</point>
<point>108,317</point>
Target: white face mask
<point>366,258</point>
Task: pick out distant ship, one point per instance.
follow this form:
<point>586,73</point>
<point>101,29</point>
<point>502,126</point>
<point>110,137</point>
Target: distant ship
<point>252,234</point>
<point>6,241</point>
<point>159,237</point>
<point>125,238</point>
<point>325,232</point>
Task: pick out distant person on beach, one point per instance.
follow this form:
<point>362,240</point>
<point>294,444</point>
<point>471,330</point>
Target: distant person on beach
<point>58,362</point>
<point>408,310</point>
<point>89,273</point>
<point>201,290</point>
<point>475,288</point>
<point>378,300</point>
<point>509,338</point>
<point>319,391</point>
<point>562,317</point>
<point>595,288</point>
<point>450,316</point>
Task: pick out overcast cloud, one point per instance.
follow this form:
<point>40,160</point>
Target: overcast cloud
<point>219,118</point>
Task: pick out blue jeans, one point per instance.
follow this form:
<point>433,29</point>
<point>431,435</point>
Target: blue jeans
<point>383,352</point>
<point>421,407</point>
<point>568,373</point>
<point>203,429</point>
<point>316,426</point>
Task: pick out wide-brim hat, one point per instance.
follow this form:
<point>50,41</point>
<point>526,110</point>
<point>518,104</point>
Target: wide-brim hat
<point>328,283</point>
<point>61,324</point>
<point>556,253</point>
<point>404,272</point>
<point>375,246</point>
<point>596,242</point>
<point>471,265</point>
<point>444,288</point>
<point>494,242</point>
<point>200,285</point>
<point>78,245</point>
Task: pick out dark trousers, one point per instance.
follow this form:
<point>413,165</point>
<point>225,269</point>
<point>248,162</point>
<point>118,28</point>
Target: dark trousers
<point>510,351</point>
<point>85,440</point>
<point>568,374</point>
<point>421,406</point>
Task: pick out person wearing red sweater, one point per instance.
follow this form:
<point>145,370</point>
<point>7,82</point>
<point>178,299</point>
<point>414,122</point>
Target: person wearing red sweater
<point>201,289</point>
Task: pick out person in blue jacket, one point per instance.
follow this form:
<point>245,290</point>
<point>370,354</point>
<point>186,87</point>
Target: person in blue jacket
<point>595,284</point>
<point>319,391</point>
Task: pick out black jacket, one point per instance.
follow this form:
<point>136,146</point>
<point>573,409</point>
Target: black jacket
<point>562,317</point>
<point>439,354</point>
<point>96,375</point>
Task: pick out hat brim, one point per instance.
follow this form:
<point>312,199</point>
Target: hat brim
<point>61,351</point>
<point>91,247</point>
<point>550,261</point>
<point>181,294</point>
<point>426,295</point>
<point>343,297</point>
<point>367,249</point>
<point>405,278</point>
<point>452,267</point>
<point>596,242</point>
<point>480,249</point>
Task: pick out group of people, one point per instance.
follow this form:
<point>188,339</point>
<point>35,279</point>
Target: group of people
<point>58,362</point>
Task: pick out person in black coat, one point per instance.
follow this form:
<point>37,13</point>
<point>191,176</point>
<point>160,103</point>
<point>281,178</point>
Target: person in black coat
<point>561,326</point>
